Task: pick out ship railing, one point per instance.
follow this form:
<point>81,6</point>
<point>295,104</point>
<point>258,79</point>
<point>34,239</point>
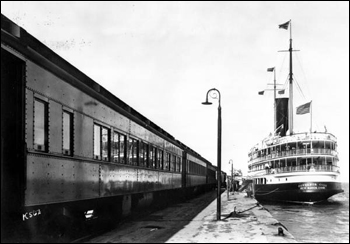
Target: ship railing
<point>295,152</point>
<point>306,168</point>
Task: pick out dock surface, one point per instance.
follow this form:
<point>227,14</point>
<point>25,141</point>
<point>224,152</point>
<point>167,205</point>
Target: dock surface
<point>196,221</point>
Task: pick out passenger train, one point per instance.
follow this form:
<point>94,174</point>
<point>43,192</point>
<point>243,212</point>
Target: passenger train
<point>72,151</point>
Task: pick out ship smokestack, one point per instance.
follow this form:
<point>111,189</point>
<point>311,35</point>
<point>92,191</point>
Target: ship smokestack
<point>282,116</point>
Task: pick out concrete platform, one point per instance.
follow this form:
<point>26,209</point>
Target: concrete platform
<point>195,221</point>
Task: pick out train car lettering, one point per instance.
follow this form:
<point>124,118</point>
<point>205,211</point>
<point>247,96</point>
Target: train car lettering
<point>31,214</point>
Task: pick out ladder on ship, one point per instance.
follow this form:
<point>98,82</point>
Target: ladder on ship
<point>245,185</point>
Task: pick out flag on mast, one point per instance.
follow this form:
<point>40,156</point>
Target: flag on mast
<point>284,26</point>
<point>304,109</point>
<point>270,69</point>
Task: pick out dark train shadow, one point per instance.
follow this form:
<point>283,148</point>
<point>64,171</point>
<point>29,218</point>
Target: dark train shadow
<point>164,221</point>
<point>191,207</point>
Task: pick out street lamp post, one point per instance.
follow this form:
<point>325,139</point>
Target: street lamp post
<point>218,213</point>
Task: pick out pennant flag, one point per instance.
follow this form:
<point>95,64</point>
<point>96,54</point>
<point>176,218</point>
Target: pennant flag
<point>284,26</point>
<point>281,92</point>
<point>304,109</point>
<point>270,69</point>
<point>261,92</point>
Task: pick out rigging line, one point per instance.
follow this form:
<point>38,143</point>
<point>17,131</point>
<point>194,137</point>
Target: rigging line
<point>301,92</point>
<point>286,82</point>
<point>280,69</point>
<point>268,192</point>
<point>303,72</point>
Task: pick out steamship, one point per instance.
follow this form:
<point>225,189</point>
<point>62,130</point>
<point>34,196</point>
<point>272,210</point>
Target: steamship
<point>294,167</point>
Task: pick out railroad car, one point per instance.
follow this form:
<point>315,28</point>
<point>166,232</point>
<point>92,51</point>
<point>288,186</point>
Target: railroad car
<point>72,151</point>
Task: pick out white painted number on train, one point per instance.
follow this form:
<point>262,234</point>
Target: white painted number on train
<point>29,215</point>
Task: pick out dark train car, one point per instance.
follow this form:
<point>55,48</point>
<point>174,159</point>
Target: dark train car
<point>223,179</point>
<point>211,174</point>
<point>70,150</point>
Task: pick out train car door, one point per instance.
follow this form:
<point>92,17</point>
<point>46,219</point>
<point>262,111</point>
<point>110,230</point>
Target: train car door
<point>12,143</point>
<point>184,169</point>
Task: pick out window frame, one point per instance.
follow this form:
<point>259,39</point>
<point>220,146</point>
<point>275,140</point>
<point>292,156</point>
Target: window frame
<point>68,151</point>
<point>102,131</point>
<point>41,147</point>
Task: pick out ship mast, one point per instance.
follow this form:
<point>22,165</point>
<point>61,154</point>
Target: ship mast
<point>290,82</point>
<point>290,100</point>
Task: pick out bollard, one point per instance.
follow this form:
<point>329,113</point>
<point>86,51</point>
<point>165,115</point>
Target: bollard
<point>280,231</point>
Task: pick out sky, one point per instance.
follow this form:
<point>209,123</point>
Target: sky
<point>161,58</point>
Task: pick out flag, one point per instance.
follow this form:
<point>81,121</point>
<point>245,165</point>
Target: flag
<point>281,92</point>
<point>304,109</point>
<point>284,26</point>
<point>270,69</point>
<point>261,92</point>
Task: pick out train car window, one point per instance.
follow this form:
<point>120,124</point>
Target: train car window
<point>172,163</point>
<point>177,164</point>
<point>40,125</point>
<point>141,153</point>
<point>118,147</point>
<point>133,151</point>
<point>180,164</point>
<point>167,161</point>
<point>67,133</point>
<point>145,155</point>
<point>160,159</point>
<point>136,152</point>
<point>122,149</point>
<point>105,144</point>
<point>156,158</point>
<point>97,142</point>
<point>152,158</point>
<point>101,143</point>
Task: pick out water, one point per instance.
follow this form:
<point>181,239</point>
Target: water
<point>326,222</point>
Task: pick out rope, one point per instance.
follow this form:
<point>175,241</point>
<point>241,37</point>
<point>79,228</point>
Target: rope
<point>268,192</point>
<point>249,208</point>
